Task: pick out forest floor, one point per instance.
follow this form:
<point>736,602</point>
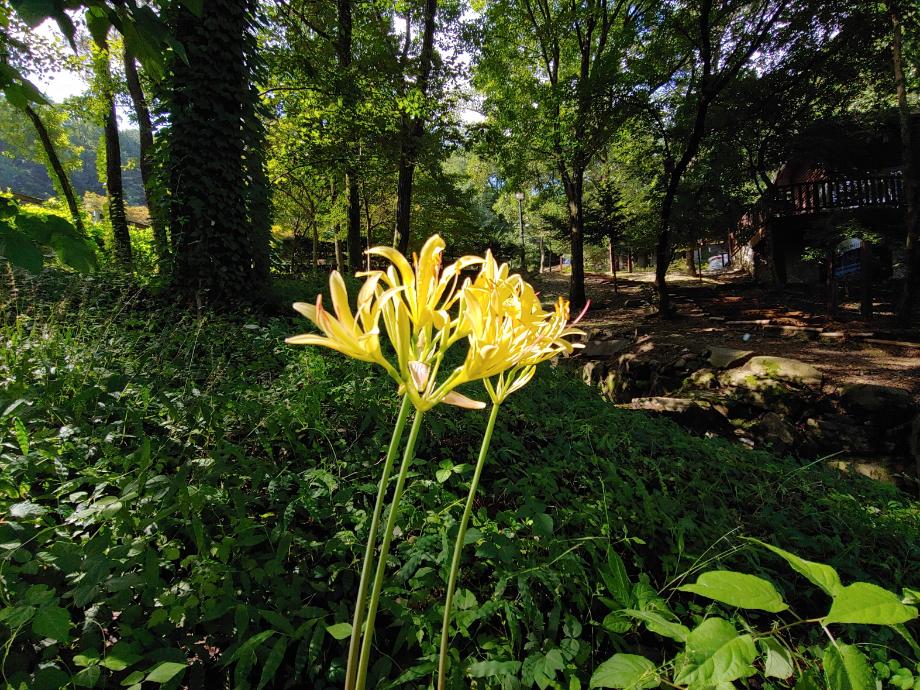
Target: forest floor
<point>707,306</point>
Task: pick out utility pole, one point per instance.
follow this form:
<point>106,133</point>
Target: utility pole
<point>520,198</point>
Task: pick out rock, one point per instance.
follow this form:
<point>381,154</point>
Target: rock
<point>695,415</point>
<point>887,404</point>
<point>872,470</point>
<point>702,378</point>
<point>725,357</point>
<point>634,303</point>
<point>838,433</point>
<point>603,349</point>
<point>775,368</point>
<point>776,432</point>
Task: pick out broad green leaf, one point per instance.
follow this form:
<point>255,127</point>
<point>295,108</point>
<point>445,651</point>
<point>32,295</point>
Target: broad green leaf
<point>846,668</point>
<point>442,475</point>
<point>121,656</point>
<point>716,654</point>
<point>248,647</point>
<point>272,662</point>
<point>52,622</point>
<point>34,12</point>
<point>87,677</point>
<point>738,589</point>
<point>659,625</point>
<point>74,252</point>
<point>628,671</point>
<point>339,631</point>
<point>911,596</point>
<point>543,525</point>
<point>164,672</point>
<point>616,579</point>
<point>486,669</point>
<point>26,510</point>
<point>819,574</point>
<point>19,250</point>
<point>778,661</point>
<point>862,602</point>
<point>42,227</point>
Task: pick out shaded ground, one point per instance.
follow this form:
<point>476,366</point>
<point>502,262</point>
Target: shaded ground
<point>628,312</point>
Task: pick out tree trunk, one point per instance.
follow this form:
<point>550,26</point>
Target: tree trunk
<point>865,279</point>
<point>55,163</point>
<point>339,259</point>
<point>412,132</point>
<point>369,228</point>
<point>148,176</point>
<point>911,186</point>
<point>403,202</point>
<point>691,261</point>
<point>831,284</point>
<point>542,255</point>
<point>114,188</point>
<point>315,246</point>
<point>343,48</point>
<point>574,192</point>
<point>629,261</point>
<point>613,263</point>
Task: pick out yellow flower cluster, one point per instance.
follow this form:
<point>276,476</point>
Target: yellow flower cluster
<point>425,310</point>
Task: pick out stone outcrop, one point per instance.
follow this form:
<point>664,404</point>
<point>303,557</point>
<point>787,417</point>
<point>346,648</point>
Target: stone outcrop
<point>777,403</point>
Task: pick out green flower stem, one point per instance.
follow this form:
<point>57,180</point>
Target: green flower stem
<point>368,641</point>
<point>367,567</point>
<point>458,547</point>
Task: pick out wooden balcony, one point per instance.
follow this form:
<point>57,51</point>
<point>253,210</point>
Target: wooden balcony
<point>875,191</point>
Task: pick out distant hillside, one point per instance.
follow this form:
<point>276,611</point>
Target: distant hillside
<point>31,178</point>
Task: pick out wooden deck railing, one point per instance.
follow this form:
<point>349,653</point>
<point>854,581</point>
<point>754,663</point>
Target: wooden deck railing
<point>827,195</point>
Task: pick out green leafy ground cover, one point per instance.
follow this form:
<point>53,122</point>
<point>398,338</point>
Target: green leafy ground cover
<point>184,502</point>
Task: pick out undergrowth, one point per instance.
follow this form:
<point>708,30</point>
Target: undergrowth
<point>185,500</point>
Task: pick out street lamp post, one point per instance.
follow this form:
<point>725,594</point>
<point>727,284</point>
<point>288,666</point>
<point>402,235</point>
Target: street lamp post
<point>520,198</point>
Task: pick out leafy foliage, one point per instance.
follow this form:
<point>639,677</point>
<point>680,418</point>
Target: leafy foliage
<point>186,501</point>
<point>27,234</point>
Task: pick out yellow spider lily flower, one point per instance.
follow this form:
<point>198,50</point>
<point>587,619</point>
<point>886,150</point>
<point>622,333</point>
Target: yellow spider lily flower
<point>429,292</point>
<point>359,337</point>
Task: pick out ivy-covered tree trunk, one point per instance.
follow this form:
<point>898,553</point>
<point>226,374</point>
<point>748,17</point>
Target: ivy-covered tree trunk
<point>54,162</point>
<point>148,176</point>
<point>218,206</point>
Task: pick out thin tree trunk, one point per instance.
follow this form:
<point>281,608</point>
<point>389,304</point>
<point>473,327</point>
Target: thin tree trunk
<point>145,131</point>
<point>911,186</point>
<point>343,48</point>
<point>55,162</point>
<point>865,279</point>
<point>315,246</point>
<point>542,255</point>
<point>691,261</point>
<point>114,188</point>
<point>369,227</point>
<point>613,263</point>
<point>574,192</point>
<point>339,259</point>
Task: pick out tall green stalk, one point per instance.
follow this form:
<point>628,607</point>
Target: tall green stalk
<point>368,641</point>
<point>458,547</point>
<point>367,566</point>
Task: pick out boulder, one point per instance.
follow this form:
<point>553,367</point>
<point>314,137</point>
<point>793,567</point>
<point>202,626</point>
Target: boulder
<point>725,357</point>
<point>603,349</point>
<point>772,368</point>
<point>776,432</point>
<point>887,404</point>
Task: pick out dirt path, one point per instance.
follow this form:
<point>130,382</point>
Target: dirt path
<point>627,313</point>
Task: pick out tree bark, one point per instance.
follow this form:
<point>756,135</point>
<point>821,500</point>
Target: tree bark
<point>542,255</point>
<point>613,263</point>
<point>412,132</point>
<point>343,48</point>
<point>574,192</point>
<point>114,188</point>
<point>865,279</point>
<point>911,186</point>
<point>57,167</point>
<point>148,175</point>
<point>339,259</point>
